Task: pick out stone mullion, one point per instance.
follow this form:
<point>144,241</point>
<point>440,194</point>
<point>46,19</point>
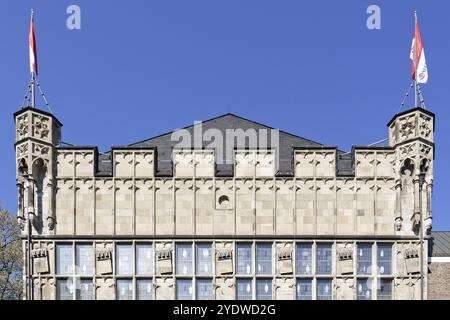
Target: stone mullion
<point>315,192</point>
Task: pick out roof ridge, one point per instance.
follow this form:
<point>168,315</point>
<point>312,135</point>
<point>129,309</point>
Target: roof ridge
<point>222,116</point>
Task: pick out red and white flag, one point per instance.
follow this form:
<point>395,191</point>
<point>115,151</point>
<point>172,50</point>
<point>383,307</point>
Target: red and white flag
<point>33,54</point>
<point>417,56</point>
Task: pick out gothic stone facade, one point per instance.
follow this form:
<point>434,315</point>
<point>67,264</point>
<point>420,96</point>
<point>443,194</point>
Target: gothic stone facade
<point>149,221</point>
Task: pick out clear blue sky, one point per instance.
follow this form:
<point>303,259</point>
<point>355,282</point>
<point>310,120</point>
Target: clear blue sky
<point>140,68</point>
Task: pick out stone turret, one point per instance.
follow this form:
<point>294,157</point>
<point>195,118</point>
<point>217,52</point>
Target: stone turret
<point>411,133</point>
<point>37,135</point>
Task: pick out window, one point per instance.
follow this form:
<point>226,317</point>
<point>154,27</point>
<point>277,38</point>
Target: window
<point>184,258</point>
<point>124,259</point>
<point>144,289</point>
<point>264,289</point>
<point>363,289</point>
<point>263,258</point>
<point>64,259</point>
<point>304,289</point>
<point>184,289</point>
<point>204,289</point>
<point>204,259</point>
<point>324,289</point>
<point>85,290</point>
<point>84,257</point>
<point>384,289</point>
<point>384,258</point>
<point>124,289</point>
<point>243,289</point>
<point>64,289</point>
<point>244,258</point>
<point>303,258</point>
<point>144,259</point>
<point>364,258</point>
<point>323,258</point>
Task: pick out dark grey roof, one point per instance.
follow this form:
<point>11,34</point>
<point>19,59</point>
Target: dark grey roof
<point>287,143</point>
<point>439,245</point>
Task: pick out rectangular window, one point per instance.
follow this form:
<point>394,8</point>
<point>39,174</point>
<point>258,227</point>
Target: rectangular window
<point>204,259</point>
<point>364,258</point>
<point>384,289</point>
<point>64,289</point>
<point>243,289</point>
<point>323,258</point>
<point>204,289</point>
<point>304,289</point>
<point>64,259</point>
<point>184,289</point>
<point>364,289</point>
<point>84,258</point>
<point>264,289</point>
<point>244,258</point>
<point>124,259</point>
<point>184,258</point>
<point>324,289</point>
<point>384,258</point>
<point>124,289</point>
<point>303,257</point>
<point>144,289</point>
<point>85,290</point>
<point>264,258</point>
<point>144,259</point>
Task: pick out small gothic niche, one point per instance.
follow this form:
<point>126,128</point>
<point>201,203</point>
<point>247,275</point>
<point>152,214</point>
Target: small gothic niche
<point>39,175</point>
<point>407,170</point>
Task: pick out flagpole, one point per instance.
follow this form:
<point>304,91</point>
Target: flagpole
<point>415,59</point>
<point>33,78</point>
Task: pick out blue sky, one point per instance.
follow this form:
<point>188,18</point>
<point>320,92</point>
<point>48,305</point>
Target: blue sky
<point>140,68</point>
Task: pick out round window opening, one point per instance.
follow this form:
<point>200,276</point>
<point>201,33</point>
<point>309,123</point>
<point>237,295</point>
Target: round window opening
<point>224,201</point>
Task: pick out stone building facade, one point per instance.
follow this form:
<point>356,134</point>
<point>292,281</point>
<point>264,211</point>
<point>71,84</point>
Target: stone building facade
<point>293,220</point>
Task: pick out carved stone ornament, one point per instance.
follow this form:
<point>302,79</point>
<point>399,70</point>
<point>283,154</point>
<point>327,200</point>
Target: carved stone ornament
<point>22,126</point>
<point>40,126</point>
<point>424,127</point>
<point>51,223</point>
<point>22,150</point>
<point>40,150</point>
<point>407,129</point>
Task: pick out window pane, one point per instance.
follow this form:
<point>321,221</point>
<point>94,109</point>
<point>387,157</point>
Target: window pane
<point>263,258</point>
<point>204,289</point>
<point>364,258</point>
<point>243,289</point>
<point>184,289</point>
<point>384,290</point>
<point>144,259</point>
<point>124,259</point>
<point>64,259</point>
<point>384,258</point>
<point>84,259</point>
<point>85,290</point>
<point>304,289</point>
<point>144,289</point>
<point>184,258</point>
<point>204,259</point>
<point>303,258</point>
<point>324,289</point>
<point>263,289</point>
<point>244,258</point>
<point>363,290</point>
<point>64,289</point>
<point>323,258</point>
<point>124,289</point>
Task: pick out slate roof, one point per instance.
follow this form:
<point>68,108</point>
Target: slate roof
<point>439,246</point>
<point>287,143</point>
